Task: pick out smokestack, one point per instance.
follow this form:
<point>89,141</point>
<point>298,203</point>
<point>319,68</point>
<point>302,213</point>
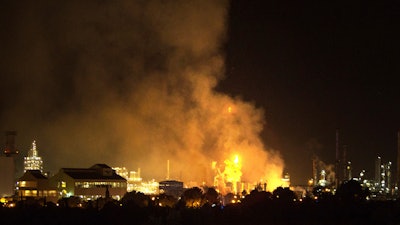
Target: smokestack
<point>10,144</point>
<point>378,164</point>
<point>337,163</point>
<point>398,158</point>
<point>337,145</point>
<point>168,169</point>
<point>344,163</point>
<point>315,172</point>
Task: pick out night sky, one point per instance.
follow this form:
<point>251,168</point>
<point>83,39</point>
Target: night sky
<point>106,82</point>
<point>315,67</point>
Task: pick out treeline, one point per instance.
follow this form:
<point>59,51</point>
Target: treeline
<point>204,206</point>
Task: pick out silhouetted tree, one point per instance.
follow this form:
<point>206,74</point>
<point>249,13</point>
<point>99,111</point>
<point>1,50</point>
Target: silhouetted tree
<point>284,194</point>
<point>193,197</point>
<point>167,200</point>
<point>351,191</point>
<point>211,196</point>
<point>256,198</point>
<point>322,193</point>
<point>229,198</point>
<point>137,198</point>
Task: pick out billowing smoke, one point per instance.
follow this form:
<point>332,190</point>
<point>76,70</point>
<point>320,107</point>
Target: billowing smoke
<point>127,83</point>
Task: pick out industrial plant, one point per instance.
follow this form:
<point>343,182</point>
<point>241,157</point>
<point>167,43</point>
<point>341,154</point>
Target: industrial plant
<point>108,190</point>
<point>383,186</point>
<point>101,180</point>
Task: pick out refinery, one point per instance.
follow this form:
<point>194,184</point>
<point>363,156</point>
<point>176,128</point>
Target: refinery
<point>100,179</point>
<point>100,190</point>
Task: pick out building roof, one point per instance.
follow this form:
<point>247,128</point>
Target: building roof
<point>96,172</point>
<point>32,174</point>
<point>171,182</point>
<point>100,165</point>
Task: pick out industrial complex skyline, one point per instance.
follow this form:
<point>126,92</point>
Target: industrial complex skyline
<point>384,177</point>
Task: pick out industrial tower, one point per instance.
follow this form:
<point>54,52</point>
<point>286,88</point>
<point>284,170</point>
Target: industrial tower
<point>7,165</point>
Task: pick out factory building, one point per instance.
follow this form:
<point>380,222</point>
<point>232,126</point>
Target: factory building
<point>98,181</point>
<point>171,187</point>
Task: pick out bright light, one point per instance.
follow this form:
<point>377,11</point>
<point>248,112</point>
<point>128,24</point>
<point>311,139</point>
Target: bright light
<point>227,179</point>
<point>236,160</point>
<point>233,171</point>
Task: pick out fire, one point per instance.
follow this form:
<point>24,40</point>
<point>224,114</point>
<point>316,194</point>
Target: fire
<point>274,182</point>
<point>230,176</point>
<point>233,170</point>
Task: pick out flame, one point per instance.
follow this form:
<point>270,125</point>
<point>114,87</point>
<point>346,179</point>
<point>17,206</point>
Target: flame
<point>230,176</point>
<point>233,169</point>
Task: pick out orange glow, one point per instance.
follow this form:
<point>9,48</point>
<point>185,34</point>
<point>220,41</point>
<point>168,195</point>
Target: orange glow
<point>274,182</point>
<point>233,172</point>
<point>229,109</point>
<point>227,180</point>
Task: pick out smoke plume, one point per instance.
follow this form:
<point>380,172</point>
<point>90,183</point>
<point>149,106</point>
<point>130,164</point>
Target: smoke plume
<point>127,83</point>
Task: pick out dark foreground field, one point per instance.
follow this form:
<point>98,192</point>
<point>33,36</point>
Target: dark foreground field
<point>250,213</point>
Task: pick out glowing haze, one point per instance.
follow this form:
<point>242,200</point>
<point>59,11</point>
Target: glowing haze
<point>129,83</point>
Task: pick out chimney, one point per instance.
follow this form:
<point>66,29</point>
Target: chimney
<point>168,169</point>
<point>10,144</point>
<point>338,170</point>
<point>398,158</point>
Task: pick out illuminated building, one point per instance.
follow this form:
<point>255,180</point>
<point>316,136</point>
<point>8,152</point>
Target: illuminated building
<point>135,182</point>
<point>33,184</point>
<point>89,183</point>
<point>322,181</point>
<point>150,187</point>
<point>171,187</point>
<point>33,161</point>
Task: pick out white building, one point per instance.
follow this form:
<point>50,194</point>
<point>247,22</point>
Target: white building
<point>33,161</point>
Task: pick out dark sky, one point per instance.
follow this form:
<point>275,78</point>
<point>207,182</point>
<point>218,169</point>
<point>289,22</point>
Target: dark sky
<point>133,83</point>
<point>316,66</point>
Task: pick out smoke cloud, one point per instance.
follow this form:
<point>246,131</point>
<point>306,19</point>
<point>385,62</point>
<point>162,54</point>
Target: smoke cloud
<point>127,83</point>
